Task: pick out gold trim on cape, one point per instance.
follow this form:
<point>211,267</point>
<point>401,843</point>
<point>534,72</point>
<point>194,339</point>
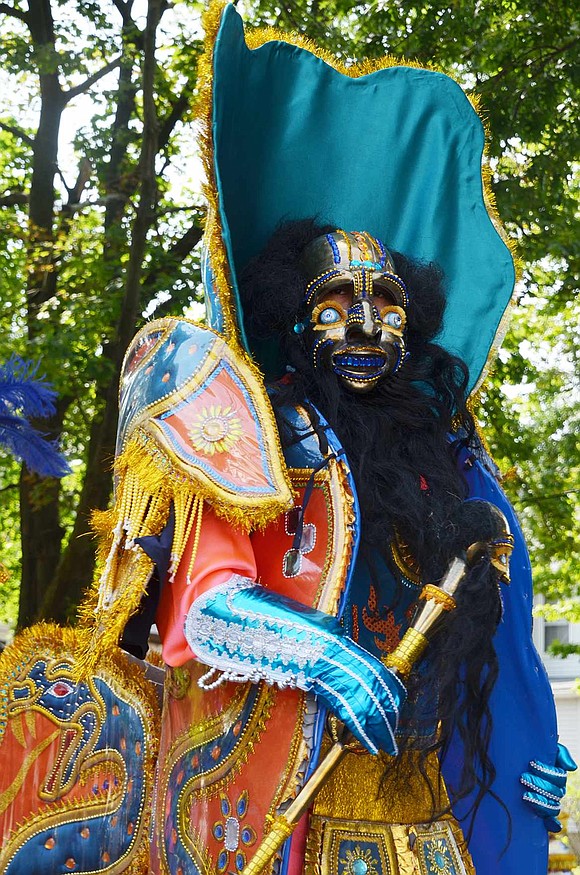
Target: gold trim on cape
<point>255,38</point>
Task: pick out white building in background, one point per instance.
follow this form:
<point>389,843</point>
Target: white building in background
<point>564,675</point>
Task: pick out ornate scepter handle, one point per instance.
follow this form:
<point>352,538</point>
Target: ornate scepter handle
<point>437,602</point>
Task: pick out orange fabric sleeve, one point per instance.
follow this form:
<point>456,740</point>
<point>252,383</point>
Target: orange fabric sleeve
<point>222,551</point>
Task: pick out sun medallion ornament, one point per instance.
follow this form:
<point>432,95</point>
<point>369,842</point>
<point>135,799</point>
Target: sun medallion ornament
<point>358,861</point>
<point>215,430</point>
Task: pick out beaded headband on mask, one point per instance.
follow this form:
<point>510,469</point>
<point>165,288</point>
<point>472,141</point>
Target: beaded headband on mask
<point>353,257</point>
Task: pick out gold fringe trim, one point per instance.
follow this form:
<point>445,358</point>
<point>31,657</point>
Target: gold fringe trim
<point>55,642</point>
<point>473,405</point>
<point>213,234</point>
<point>213,229</point>
<point>149,482</point>
<point>147,485</point>
<point>255,38</point>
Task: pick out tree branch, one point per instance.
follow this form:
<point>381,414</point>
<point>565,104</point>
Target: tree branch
<point>536,499</point>
<point>17,132</point>
<point>84,86</point>
<point>145,214</point>
<point>124,9</point>
<point>178,107</point>
<point>13,199</point>
<point>484,84</point>
<point>165,266</point>
<point>14,13</point>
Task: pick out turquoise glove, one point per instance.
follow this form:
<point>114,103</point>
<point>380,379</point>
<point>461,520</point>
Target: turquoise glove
<point>546,785</point>
<point>250,633</point>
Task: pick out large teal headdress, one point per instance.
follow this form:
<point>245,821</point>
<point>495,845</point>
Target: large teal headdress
<point>394,150</point>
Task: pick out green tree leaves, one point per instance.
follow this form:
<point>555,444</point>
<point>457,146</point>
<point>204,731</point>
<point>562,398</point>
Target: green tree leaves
<point>90,241</point>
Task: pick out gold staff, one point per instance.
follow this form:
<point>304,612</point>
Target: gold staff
<point>437,601</point>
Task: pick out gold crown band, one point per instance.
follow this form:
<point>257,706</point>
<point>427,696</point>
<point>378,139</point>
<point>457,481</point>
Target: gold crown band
<point>433,593</point>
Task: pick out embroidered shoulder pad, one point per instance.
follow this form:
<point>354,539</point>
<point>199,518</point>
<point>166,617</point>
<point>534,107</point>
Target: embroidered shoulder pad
<point>197,411</point>
<point>195,426</point>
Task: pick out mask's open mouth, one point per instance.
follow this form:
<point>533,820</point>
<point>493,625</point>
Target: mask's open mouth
<point>360,364</point>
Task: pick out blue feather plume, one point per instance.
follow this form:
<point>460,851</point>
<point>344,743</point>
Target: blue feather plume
<point>23,391</point>
<point>24,395</point>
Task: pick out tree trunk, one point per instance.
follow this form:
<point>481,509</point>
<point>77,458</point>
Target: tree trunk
<point>76,568</point>
<point>41,532</point>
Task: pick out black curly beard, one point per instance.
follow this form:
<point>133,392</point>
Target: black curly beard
<point>399,444</point>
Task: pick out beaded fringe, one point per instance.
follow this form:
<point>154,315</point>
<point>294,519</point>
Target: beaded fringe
<point>147,486</point>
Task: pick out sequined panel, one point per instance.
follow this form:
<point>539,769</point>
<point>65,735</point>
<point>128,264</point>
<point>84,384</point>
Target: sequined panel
<point>77,759</point>
<point>342,847</point>
<point>315,572</point>
<point>437,851</point>
<point>230,757</point>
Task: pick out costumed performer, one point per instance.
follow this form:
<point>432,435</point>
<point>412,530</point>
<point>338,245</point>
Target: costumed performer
<point>286,536</point>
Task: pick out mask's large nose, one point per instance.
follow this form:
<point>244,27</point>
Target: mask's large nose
<point>362,323</point>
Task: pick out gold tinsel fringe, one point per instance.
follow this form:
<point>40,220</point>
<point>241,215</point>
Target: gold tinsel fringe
<point>213,229</point>
<point>148,485</point>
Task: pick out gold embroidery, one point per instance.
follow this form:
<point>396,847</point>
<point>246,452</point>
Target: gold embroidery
<point>353,858</point>
<point>441,850</point>
<point>340,543</point>
<point>404,560</point>
<point>288,784</point>
<point>210,782</point>
<point>334,845</point>
<point>56,647</point>
<point>325,855</point>
<point>9,795</point>
<point>352,791</point>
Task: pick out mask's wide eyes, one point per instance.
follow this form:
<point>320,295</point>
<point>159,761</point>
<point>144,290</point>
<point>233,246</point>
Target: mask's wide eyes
<point>328,316</point>
<point>393,319</point>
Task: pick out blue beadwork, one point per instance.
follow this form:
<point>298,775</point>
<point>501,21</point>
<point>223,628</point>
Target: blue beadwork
<point>319,281</point>
<point>397,279</point>
<point>334,247</point>
<point>381,246</point>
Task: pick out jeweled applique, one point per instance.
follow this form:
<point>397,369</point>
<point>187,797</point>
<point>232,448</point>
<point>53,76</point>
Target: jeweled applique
<point>236,835</point>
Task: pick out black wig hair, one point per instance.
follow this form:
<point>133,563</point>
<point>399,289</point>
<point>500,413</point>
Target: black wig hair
<point>397,441</point>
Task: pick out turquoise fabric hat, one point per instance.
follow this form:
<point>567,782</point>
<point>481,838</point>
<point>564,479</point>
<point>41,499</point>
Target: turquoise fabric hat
<point>396,152</point>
